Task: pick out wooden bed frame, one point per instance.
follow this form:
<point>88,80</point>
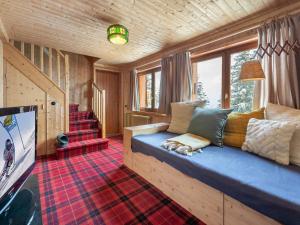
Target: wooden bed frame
<point>208,204</point>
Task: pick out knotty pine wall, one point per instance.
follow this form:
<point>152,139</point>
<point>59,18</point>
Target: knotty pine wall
<point>19,90</point>
<point>81,76</point>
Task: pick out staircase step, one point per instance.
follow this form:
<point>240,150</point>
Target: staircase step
<point>83,125</point>
<point>83,115</point>
<point>73,108</point>
<point>82,147</point>
<point>81,135</point>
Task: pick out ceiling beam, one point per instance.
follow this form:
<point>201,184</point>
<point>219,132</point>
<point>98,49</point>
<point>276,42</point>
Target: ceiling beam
<point>3,33</point>
<point>217,35</point>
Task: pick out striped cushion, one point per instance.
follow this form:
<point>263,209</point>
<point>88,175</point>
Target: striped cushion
<point>236,127</point>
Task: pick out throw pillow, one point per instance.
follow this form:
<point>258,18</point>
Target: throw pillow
<point>181,115</point>
<point>270,139</point>
<point>283,113</point>
<point>236,126</point>
<point>209,123</point>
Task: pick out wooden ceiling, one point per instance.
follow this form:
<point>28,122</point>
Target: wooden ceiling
<point>80,25</point>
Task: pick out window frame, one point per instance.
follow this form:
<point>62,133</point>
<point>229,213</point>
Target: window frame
<point>152,72</point>
<point>225,54</point>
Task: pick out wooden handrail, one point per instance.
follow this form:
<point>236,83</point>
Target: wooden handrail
<point>98,107</point>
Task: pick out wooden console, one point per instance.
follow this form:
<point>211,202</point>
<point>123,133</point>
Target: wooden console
<point>208,204</point>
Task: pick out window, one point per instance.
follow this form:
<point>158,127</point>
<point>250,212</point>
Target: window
<point>216,79</point>
<point>209,81</point>
<point>149,89</point>
<point>241,92</point>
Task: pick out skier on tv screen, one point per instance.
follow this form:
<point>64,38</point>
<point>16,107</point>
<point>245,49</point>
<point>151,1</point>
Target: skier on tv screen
<point>9,157</point>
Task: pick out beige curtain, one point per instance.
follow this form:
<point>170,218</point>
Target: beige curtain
<point>134,101</point>
<point>281,85</point>
<point>176,81</point>
<point>165,96</point>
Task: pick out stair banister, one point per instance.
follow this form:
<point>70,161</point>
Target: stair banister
<point>98,107</point>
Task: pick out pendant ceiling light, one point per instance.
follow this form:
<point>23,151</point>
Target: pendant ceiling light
<point>117,34</point>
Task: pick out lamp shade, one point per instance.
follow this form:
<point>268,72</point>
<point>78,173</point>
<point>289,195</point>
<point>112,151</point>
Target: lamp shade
<point>117,34</point>
<point>252,70</point>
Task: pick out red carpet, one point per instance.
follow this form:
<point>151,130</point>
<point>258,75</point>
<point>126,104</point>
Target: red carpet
<point>97,189</point>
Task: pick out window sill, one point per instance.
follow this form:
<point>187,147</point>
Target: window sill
<point>149,113</point>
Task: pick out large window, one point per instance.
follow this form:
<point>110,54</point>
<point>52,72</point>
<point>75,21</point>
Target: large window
<point>216,79</point>
<point>149,88</point>
<point>241,92</point>
<point>209,81</point>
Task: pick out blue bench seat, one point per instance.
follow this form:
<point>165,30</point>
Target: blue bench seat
<point>268,187</point>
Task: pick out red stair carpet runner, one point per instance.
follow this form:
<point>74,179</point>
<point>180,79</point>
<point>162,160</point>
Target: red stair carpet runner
<point>96,188</point>
<point>84,135</point>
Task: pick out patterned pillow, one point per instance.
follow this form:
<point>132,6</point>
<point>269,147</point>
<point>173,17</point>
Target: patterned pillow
<point>181,115</point>
<point>236,126</point>
<point>270,139</point>
<point>283,113</point>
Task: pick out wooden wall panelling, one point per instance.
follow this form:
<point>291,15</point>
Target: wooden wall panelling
<point>67,92</point>
<point>110,82</point>
<point>30,71</point>
<point>54,66</point>
<point>50,64</point>
<point>45,60</point>
<point>21,91</point>
<point>3,32</point>
<point>42,58</point>
<point>32,53</point>
<point>54,125</point>
<point>27,50</point>
<point>1,75</point>
<point>58,69</point>
<point>62,73</point>
<point>37,56</point>
<point>81,75</point>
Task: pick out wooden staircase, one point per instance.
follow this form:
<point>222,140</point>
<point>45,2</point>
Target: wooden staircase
<point>85,134</point>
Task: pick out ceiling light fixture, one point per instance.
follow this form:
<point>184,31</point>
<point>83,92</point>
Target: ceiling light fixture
<point>117,34</point>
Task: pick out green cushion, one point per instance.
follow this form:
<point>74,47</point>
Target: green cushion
<point>209,123</point>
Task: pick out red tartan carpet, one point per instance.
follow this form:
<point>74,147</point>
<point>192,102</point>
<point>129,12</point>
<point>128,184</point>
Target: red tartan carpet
<point>97,189</point>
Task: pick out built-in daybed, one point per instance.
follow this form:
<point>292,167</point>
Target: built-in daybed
<point>220,185</point>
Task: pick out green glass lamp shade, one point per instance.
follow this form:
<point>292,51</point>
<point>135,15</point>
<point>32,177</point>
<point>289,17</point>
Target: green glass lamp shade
<point>117,34</point>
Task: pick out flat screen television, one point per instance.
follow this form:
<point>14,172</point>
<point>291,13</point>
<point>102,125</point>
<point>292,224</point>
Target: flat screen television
<point>18,136</point>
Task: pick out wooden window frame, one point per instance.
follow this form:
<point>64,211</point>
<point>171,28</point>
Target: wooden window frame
<point>226,64</point>
<point>152,72</point>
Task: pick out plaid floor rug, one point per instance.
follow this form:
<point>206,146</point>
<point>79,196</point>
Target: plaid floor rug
<point>97,189</point>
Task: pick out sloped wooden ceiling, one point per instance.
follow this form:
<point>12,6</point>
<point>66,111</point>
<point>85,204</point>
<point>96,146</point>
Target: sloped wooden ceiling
<point>79,26</point>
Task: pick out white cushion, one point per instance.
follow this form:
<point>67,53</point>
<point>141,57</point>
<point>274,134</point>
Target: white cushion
<point>181,115</point>
<point>283,113</point>
<point>270,139</point>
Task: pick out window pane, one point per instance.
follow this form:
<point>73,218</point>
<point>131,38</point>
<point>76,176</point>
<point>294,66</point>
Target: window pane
<point>157,89</point>
<point>241,97</point>
<point>209,86</point>
<point>148,90</point>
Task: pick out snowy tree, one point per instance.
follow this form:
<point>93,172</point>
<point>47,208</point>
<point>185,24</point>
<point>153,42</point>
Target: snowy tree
<point>200,93</point>
<point>241,99</point>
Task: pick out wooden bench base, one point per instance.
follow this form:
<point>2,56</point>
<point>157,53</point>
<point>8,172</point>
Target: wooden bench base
<point>206,203</point>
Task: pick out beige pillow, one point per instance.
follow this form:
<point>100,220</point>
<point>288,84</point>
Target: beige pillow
<point>181,115</point>
<point>283,113</point>
<point>270,139</point>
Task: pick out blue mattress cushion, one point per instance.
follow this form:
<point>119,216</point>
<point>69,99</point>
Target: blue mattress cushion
<point>259,183</point>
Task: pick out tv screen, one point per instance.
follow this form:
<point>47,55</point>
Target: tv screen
<point>17,147</point>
